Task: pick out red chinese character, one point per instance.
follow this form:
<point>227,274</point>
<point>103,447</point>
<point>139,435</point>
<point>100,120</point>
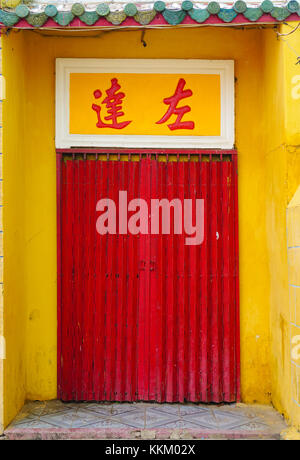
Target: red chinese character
<point>113,102</point>
<point>174,110</point>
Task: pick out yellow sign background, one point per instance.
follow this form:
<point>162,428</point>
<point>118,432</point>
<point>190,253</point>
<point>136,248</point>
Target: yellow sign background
<point>143,103</point>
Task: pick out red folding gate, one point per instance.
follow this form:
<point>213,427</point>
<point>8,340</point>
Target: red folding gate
<point>147,317</point>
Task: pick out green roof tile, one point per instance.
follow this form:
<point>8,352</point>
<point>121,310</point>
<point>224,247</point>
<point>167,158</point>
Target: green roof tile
<point>11,16</point>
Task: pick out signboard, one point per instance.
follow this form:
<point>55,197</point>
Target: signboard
<point>144,103</point>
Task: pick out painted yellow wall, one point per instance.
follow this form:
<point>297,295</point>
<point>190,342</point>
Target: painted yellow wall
<point>293,232</point>
<point>282,121</point>
<point>292,74</point>
<point>30,224</point>
<point>274,157</point>
<point>15,309</point>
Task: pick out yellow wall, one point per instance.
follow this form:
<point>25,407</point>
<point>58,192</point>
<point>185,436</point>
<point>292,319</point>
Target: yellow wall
<point>293,232</point>
<point>282,121</point>
<point>276,200</point>
<point>293,218</point>
<point>30,219</point>
<point>15,310</point>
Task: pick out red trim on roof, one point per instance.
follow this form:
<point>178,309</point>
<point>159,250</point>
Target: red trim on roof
<point>157,21</point>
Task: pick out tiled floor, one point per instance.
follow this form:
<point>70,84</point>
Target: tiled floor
<point>160,419</point>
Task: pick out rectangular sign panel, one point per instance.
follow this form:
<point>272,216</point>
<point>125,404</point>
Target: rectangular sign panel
<point>144,103</point>
<point>139,104</point>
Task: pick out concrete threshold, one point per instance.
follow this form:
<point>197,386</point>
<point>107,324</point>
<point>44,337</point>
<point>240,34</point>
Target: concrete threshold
<point>56,420</point>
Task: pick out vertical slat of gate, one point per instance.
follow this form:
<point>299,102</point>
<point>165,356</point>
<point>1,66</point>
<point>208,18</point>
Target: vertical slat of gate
<point>71,345</point>
<point>85,242</point>
<point>120,300</point>
<point>111,294</point>
<point>136,263</point>
<point>191,281</point>
<point>66,280</point>
<point>231,314</point>
<point>122,336</point>
<point>125,290</point>
<point>213,290</point>
<point>67,288</point>
<point>117,323</point>
<point>153,286</point>
<point>235,244</point>
<point>153,323</point>
<point>92,183</point>
<point>130,320</point>
<point>141,320</point>
<point>225,240</point>
<point>89,269</point>
<point>161,332</point>
<point>132,294</point>
<point>98,359</point>
<point>100,292</point>
<point>81,275</point>
<point>76,298</point>
<point>234,319</point>
<point>203,376</point>
<point>109,307</point>
<point>180,316</point>
<point>170,391</point>
<point>60,189</point>
<point>188,367</point>
<point>119,319</point>
<point>148,331</point>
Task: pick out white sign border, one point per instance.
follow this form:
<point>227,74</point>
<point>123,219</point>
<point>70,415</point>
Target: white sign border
<point>66,66</point>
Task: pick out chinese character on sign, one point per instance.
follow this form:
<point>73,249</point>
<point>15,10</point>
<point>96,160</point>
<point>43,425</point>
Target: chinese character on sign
<point>172,102</point>
<point>113,102</point>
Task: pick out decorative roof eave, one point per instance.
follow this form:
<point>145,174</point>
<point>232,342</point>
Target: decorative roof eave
<point>105,15</point>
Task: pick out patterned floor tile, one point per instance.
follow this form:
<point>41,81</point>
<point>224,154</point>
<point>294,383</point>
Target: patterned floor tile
<point>166,408</point>
<point>107,423</point>
<point>183,424</point>
<point>253,426</point>
<point>99,408</point>
<point>156,419</point>
<point>234,409</point>
<point>229,419</point>
<point>134,418</point>
<point>36,423</point>
<point>215,420</point>
<point>58,420</point>
<point>123,408</point>
<point>187,410</point>
<point>52,407</point>
<point>70,419</point>
<point>86,415</point>
<point>24,418</point>
<point>35,408</point>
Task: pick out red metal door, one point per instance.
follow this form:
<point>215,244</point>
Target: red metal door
<point>147,317</point>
